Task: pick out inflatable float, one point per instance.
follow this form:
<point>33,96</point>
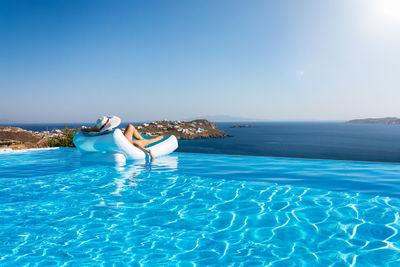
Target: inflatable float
<point>113,146</point>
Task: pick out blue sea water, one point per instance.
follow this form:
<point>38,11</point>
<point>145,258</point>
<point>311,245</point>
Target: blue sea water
<point>195,210</point>
<point>319,140</point>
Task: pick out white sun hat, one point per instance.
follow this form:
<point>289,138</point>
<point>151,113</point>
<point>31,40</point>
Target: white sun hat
<point>107,123</point>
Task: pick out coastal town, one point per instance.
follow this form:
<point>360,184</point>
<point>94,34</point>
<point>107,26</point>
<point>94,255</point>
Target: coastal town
<point>13,138</point>
<point>184,130</point>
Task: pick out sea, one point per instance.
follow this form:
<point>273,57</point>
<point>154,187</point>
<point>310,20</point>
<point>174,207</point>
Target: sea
<point>317,140</point>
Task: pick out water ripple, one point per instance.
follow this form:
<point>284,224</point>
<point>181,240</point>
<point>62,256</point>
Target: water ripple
<point>94,215</point>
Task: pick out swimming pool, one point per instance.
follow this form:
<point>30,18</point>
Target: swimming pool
<point>197,209</point>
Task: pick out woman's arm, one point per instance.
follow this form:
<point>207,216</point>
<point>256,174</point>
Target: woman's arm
<point>143,149</point>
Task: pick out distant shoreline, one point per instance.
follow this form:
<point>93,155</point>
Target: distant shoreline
<point>48,126</point>
<point>40,127</point>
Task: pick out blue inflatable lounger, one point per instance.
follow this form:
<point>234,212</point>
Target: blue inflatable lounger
<point>117,147</point>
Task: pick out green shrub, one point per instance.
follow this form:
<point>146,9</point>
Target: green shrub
<point>63,141</point>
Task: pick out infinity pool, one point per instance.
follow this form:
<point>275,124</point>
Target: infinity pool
<point>196,210</point>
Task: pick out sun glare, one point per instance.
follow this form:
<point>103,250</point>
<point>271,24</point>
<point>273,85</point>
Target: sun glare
<point>381,18</point>
<point>388,9</point>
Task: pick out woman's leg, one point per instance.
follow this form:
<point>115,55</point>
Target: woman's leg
<point>131,132</point>
<point>146,142</point>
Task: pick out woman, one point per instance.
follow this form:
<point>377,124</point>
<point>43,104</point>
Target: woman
<point>108,123</point>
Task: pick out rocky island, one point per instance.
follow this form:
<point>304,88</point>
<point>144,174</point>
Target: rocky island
<point>387,120</point>
<point>17,138</point>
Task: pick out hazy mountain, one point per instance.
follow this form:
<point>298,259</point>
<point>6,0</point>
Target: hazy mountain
<point>387,120</point>
<point>221,118</point>
<point>8,122</point>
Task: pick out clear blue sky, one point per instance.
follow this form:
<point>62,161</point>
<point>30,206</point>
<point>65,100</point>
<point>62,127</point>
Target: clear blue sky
<point>70,61</point>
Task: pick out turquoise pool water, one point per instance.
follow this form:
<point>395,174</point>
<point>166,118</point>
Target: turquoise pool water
<point>197,209</point>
